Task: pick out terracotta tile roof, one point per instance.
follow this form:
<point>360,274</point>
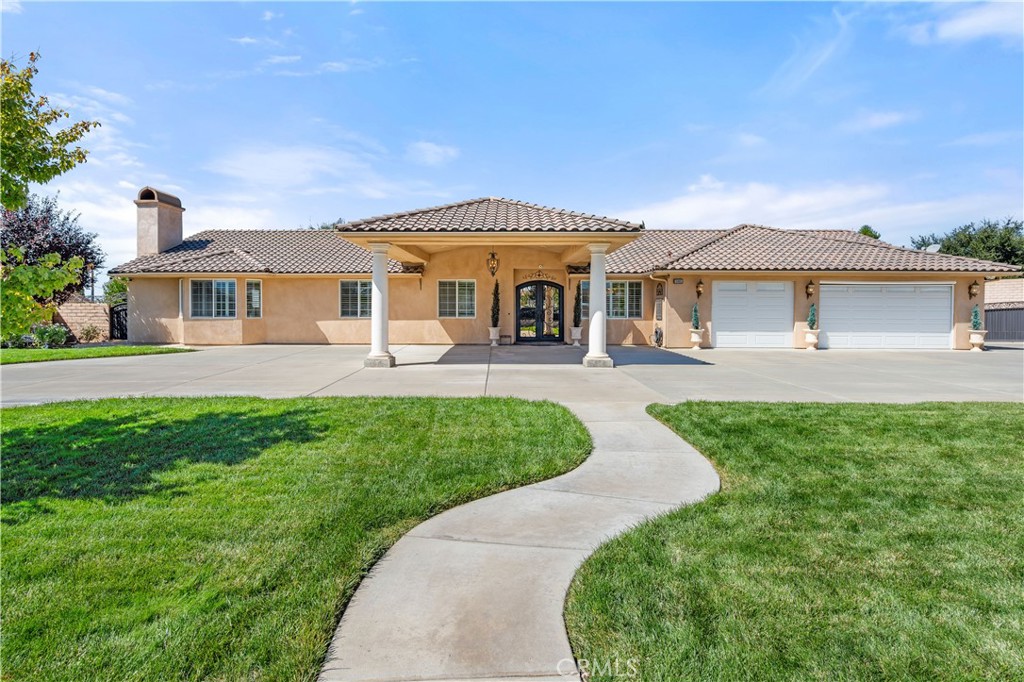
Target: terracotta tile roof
<point>255,251</point>
<point>755,247</point>
<point>654,249</point>
<point>489,214</point>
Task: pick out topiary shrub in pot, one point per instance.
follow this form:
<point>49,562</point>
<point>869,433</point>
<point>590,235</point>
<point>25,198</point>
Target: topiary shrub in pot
<point>696,333</point>
<point>495,329</point>
<point>811,333</point>
<point>576,330</point>
<point>977,333</point>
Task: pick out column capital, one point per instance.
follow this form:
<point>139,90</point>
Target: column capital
<point>379,247</point>
<point>599,248</point>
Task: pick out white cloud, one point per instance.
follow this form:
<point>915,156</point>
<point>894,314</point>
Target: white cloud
<point>285,167</point>
<point>868,121</point>
<point>430,154</point>
<point>346,65</point>
<point>11,7</point>
<point>249,40</point>
<point>113,98</point>
<point>808,58</point>
<point>969,22</point>
<point>749,140</point>
<point>282,59</point>
<point>710,203</point>
<point>270,16</point>
<point>989,139</point>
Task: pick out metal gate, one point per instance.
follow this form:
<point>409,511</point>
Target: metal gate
<point>1005,324</point>
<point>119,321</point>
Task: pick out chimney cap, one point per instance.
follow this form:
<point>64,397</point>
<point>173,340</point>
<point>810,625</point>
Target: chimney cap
<point>149,194</point>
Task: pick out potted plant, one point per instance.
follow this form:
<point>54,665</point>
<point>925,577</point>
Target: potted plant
<point>576,330</point>
<point>977,333</point>
<point>696,334</point>
<point>494,330</point>
<point>811,333</point>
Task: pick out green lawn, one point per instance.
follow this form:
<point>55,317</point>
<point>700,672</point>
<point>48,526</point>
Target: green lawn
<point>849,542</point>
<point>14,356</point>
<point>218,539</point>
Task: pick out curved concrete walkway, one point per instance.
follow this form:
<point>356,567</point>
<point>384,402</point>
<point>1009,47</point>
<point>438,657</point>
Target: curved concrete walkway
<point>478,591</point>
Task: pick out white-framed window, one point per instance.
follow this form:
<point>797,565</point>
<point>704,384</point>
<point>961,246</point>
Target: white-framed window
<point>253,298</point>
<point>456,298</point>
<point>624,299</point>
<point>356,296</point>
<point>212,298</point>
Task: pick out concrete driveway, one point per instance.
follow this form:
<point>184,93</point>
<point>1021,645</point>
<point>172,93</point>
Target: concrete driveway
<point>541,372</point>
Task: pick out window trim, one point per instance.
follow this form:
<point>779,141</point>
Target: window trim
<point>359,307</point>
<point>585,299</point>
<point>258,316</point>
<point>214,316</point>
<point>456,316</point>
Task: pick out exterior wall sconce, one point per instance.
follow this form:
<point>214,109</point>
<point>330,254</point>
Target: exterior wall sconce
<point>677,280</point>
<point>492,263</point>
<point>974,289</point>
<point>809,289</point>
<point>700,287</point>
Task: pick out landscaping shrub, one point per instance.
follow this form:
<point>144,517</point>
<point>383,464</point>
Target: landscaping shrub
<point>51,335</point>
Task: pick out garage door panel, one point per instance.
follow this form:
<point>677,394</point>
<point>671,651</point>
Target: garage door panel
<point>752,315</point>
<point>885,316</point>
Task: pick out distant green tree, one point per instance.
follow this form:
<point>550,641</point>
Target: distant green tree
<point>869,231</point>
<point>329,225</point>
<point>32,152</point>
<point>988,240</point>
<point>115,290</point>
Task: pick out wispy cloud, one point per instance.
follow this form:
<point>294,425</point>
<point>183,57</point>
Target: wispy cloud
<point>711,203</point>
<point>11,7</point>
<point>869,121</point>
<point>342,66</point>
<point>430,154</point>
<point>250,40</point>
<point>282,59</point>
<point>270,16</point>
<point>967,23</point>
<point>749,140</point>
<point>809,57</point>
<point>989,139</point>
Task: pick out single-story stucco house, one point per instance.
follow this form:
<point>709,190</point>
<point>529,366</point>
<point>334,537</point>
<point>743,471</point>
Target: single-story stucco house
<point>427,276</point>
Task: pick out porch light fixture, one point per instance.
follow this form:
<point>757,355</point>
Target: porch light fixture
<point>809,289</point>
<point>492,263</point>
<point>677,280</point>
<point>700,287</point>
<point>973,289</point>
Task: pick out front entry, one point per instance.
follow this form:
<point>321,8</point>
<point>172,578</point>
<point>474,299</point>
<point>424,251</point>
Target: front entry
<point>539,312</point>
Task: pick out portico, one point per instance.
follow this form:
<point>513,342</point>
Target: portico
<point>459,253</point>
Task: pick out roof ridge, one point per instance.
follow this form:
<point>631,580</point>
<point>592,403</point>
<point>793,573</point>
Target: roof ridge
<point>488,199</point>
<point>707,242</point>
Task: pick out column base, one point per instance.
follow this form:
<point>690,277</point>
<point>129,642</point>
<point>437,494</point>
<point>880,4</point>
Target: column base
<point>592,361</point>
<point>379,361</point>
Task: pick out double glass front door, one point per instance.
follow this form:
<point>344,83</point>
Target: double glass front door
<point>539,312</point>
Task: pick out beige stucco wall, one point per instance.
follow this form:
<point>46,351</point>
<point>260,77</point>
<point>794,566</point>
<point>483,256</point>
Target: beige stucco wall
<point>306,309</point>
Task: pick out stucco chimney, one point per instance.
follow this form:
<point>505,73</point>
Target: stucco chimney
<point>159,221</point>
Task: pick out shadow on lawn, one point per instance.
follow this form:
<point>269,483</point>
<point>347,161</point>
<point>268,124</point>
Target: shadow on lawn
<point>114,459</point>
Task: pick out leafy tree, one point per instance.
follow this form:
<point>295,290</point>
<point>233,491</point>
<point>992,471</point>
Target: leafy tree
<point>115,290</point>
<point>988,240</point>
<point>329,225</point>
<point>869,231</point>
<point>40,228</point>
<point>27,289</point>
<point>32,152</point>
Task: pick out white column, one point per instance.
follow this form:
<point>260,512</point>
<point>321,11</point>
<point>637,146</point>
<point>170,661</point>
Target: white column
<point>597,352</point>
<point>379,355</point>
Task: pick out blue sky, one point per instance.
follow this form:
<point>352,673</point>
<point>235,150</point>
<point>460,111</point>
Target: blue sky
<point>907,116</point>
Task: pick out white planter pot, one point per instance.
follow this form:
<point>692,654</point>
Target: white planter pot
<point>811,338</point>
<point>494,334</point>
<point>978,339</point>
<point>696,336</point>
<point>576,333</point>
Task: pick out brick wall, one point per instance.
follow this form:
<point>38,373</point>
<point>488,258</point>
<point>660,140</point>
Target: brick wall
<point>1004,291</point>
<point>78,315</point>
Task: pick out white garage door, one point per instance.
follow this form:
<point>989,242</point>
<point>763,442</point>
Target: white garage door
<point>886,316</point>
<point>752,315</point>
